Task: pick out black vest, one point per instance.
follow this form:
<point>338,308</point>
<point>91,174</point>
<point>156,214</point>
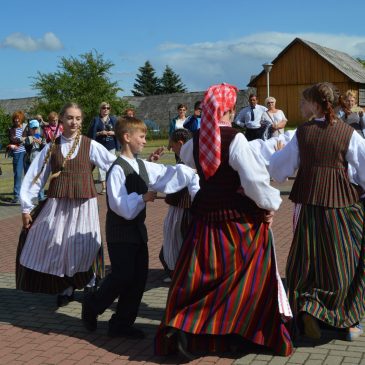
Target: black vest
<point>119,229</point>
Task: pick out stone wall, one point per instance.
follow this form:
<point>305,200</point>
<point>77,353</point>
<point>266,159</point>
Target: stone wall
<point>162,108</point>
<point>159,108</point>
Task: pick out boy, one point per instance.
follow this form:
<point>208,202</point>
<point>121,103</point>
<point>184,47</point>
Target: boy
<point>33,143</point>
<point>131,183</point>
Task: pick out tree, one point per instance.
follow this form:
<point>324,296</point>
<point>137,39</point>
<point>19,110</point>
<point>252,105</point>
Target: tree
<point>170,82</point>
<point>361,61</point>
<point>147,83</point>
<point>84,80</point>
<point>5,124</point>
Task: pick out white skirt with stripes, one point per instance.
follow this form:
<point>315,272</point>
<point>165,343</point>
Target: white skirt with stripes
<point>65,237</point>
<point>172,237</point>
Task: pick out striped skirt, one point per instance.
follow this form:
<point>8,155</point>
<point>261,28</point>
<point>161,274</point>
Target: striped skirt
<point>326,265</point>
<point>60,247</point>
<point>225,284</point>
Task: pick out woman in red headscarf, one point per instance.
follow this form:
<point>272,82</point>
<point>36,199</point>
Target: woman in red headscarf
<point>226,288</point>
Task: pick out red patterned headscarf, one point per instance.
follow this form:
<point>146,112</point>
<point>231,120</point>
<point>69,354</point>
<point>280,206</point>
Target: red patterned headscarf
<point>218,99</point>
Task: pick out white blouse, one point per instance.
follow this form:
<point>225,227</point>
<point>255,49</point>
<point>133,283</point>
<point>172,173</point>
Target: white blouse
<point>251,168</point>
<point>285,162</point>
<point>165,179</point>
<point>99,156</point>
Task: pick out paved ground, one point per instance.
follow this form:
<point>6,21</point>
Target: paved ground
<point>34,331</point>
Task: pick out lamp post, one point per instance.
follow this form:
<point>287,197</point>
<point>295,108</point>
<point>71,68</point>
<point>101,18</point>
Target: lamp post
<point>267,67</point>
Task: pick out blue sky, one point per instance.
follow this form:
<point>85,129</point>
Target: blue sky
<point>204,41</point>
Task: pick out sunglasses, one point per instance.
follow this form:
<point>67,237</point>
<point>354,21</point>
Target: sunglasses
<point>106,107</point>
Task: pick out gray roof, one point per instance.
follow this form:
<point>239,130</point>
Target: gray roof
<point>352,68</point>
<point>12,105</point>
<point>343,62</point>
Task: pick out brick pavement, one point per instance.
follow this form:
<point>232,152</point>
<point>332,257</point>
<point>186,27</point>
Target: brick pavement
<point>34,331</point>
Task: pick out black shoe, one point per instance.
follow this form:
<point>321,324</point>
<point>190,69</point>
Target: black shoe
<point>128,332</point>
<point>90,289</point>
<point>182,346</point>
<point>88,315</point>
<point>63,300</point>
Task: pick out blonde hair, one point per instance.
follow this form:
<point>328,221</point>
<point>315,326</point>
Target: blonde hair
<point>270,98</point>
<point>128,125</point>
<point>351,94</point>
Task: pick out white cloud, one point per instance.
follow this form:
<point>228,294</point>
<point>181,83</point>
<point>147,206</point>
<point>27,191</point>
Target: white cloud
<point>235,61</point>
<point>26,43</point>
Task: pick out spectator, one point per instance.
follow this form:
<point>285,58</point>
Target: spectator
<point>102,130</point>
<point>130,113</point>
<point>350,113</point>
<point>178,121</point>
<point>250,118</point>
<point>274,119</point>
<point>53,129</point>
<point>192,123</point>
<point>17,151</point>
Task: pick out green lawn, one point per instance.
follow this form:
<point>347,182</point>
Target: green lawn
<point>6,179</point>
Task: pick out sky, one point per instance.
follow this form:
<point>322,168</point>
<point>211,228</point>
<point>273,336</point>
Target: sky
<point>203,41</point>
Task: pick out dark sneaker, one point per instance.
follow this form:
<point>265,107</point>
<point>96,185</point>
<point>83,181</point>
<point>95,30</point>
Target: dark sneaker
<point>88,315</point>
<point>63,300</point>
<point>128,332</point>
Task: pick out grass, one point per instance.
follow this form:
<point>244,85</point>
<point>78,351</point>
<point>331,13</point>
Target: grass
<point>7,181</point>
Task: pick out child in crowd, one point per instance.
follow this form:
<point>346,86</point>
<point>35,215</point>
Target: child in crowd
<point>53,129</point>
<point>131,184</point>
<point>56,250</point>
<point>178,216</point>
<point>33,143</point>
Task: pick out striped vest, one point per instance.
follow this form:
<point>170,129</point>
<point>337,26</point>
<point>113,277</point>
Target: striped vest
<point>218,198</point>
<point>119,229</point>
<point>76,180</point>
<point>322,178</point>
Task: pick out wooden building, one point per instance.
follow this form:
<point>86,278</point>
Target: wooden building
<point>302,64</point>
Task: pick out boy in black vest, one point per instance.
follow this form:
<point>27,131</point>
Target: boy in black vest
<point>128,181</point>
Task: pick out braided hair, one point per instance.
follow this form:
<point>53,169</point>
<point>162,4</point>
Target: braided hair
<point>53,145</point>
<point>326,96</point>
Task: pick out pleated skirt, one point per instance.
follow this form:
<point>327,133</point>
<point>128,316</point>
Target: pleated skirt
<point>326,265</point>
<point>224,284</point>
<point>60,247</point>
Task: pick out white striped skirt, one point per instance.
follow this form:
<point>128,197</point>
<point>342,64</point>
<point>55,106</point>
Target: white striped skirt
<point>65,237</point>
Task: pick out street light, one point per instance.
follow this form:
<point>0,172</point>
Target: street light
<point>267,67</point>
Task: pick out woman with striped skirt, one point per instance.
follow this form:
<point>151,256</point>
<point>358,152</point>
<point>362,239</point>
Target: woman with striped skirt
<point>56,251</point>
<point>326,264</point>
<point>225,287</point>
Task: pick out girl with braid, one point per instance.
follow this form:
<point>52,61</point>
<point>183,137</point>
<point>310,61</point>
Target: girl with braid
<point>326,264</point>
<point>62,243</point>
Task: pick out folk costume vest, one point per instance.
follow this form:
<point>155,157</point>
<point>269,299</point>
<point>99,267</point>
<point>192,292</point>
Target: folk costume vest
<point>119,229</point>
<point>221,196</point>
<point>76,180</point>
<point>322,178</point>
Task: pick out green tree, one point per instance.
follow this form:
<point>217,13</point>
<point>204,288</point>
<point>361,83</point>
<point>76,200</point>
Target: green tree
<point>146,83</point>
<point>361,61</point>
<point>84,80</point>
<point>170,82</point>
<point>5,123</point>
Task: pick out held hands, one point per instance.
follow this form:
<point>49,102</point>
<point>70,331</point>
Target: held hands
<point>27,220</point>
<point>150,196</point>
<point>155,155</point>
<point>279,145</point>
<point>268,217</point>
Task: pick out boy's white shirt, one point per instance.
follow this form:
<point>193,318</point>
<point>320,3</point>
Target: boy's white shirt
<point>162,178</point>
<point>99,156</point>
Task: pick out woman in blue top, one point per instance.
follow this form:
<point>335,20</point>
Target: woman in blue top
<point>102,130</point>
